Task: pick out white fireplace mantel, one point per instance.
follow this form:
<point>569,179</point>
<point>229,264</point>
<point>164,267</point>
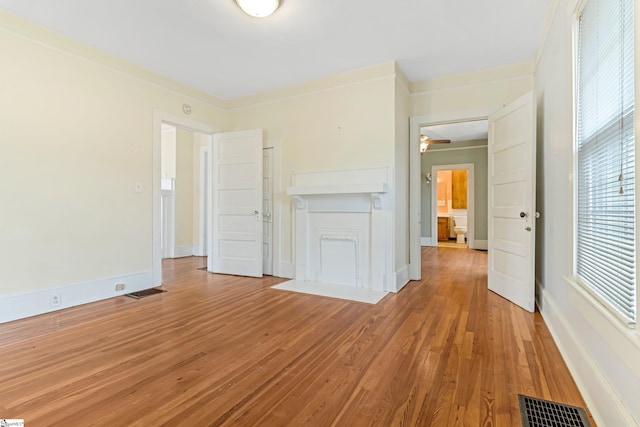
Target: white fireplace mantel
<point>307,190</point>
<point>374,190</point>
<point>342,226</point>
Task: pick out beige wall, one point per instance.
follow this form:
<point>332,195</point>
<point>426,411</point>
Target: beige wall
<point>184,188</point>
<point>76,136</point>
<point>199,140</point>
<point>602,354</point>
<point>401,154</point>
<point>168,152</point>
<point>341,122</point>
<point>472,94</point>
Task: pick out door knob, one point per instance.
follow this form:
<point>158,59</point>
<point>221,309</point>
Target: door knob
<point>523,214</point>
<point>528,228</point>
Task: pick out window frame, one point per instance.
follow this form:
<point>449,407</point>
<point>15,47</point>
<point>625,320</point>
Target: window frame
<point>578,7</point>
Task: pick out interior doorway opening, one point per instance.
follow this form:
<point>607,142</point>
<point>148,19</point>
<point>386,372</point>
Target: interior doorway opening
<point>447,136</point>
<point>452,207</point>
<point>201,197</point>
<point>183,189</point>
<point>454,189</point>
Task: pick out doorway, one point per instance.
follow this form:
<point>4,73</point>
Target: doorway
<point>160,118</point>
<point>452,205</point>
<point>203,209</point>
<point>183,184</point>
<point>447,131</point>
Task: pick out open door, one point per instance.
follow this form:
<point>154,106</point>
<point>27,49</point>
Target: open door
<point>236,219</point>
<point>512,197</point>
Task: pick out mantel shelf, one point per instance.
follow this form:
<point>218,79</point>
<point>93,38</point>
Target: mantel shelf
<point>310,190</point>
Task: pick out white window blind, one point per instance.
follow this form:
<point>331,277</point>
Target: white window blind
<point>606,229</point>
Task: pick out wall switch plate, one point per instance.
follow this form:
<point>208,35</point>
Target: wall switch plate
<point>120,287</point>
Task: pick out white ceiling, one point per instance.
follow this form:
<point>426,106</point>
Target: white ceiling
<point>463,131</point>
<point>213,46</point>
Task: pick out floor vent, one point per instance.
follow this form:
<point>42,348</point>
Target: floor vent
<point>545,413</point>
<point>145,293</point>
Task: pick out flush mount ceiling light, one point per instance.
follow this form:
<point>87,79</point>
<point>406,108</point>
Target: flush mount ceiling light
<point>258,8</point>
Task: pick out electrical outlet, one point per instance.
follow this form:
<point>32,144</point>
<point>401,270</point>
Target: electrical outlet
<point>55,300</point>
<point>120,287</point>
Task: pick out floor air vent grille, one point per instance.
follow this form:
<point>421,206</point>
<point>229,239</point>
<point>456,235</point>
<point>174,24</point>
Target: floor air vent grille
<point>545,413</point>
<point>145,293</point>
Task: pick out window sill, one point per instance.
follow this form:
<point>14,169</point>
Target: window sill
<point>593,310</point>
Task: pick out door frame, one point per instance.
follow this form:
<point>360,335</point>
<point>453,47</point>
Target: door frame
<point>471,212</point>
<point>160,117</point>
<point>415,123</point>
<point>276,218</point>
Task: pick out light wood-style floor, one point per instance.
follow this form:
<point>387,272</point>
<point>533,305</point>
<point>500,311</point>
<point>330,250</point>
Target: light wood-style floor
<point>224,350</point>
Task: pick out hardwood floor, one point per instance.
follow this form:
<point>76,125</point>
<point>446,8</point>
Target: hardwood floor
<point>223,350</point>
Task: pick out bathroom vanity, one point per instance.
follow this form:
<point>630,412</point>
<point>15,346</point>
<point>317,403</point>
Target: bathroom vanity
<point>443,228</point>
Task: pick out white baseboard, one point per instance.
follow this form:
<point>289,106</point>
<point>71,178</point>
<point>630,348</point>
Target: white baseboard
<point>606,407</point>
<point>182,251</point>
<point>19,306</point>
<point>196,251</point>
<point>481,244</point>
<point>402,278</point>
<point>284,269</point>
<point>426,241</point>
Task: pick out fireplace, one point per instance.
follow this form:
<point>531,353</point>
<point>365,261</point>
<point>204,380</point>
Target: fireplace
<point>342,227</point>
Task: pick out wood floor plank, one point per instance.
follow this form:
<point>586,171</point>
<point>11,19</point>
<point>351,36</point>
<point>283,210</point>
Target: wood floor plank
<point>219,350</point>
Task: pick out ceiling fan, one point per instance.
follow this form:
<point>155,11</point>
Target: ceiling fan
<point>425,142</point>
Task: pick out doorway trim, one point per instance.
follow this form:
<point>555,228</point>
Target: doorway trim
<point>471,212</point>
<point>415,123</point>
<point>160,117</point>
<point>279,269</point>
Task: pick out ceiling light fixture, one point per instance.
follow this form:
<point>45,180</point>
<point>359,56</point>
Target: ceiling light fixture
<point>258,8</point>
<point>425,142</point>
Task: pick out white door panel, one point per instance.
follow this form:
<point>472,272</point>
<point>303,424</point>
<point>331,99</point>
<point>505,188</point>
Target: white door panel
<point>512,157</point>
<point>236,221</point>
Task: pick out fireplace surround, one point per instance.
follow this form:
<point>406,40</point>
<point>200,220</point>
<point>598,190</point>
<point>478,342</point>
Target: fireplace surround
<point>342,227</point>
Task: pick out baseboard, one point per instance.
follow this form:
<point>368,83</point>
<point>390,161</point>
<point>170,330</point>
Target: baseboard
<point>426,241</point>
<point>402,278</point>
<point>482,245</point>
<point>284,269</point>
<point>20,306</point>
<point>196,251</point>
<point>601,398</point>
<point>182,251</point>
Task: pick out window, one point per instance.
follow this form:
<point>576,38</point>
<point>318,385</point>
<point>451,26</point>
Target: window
<point>605,179</point>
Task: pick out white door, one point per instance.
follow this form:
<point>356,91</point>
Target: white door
<point>512,197</point>
<point>236,221</point>
<point>267,211</point>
